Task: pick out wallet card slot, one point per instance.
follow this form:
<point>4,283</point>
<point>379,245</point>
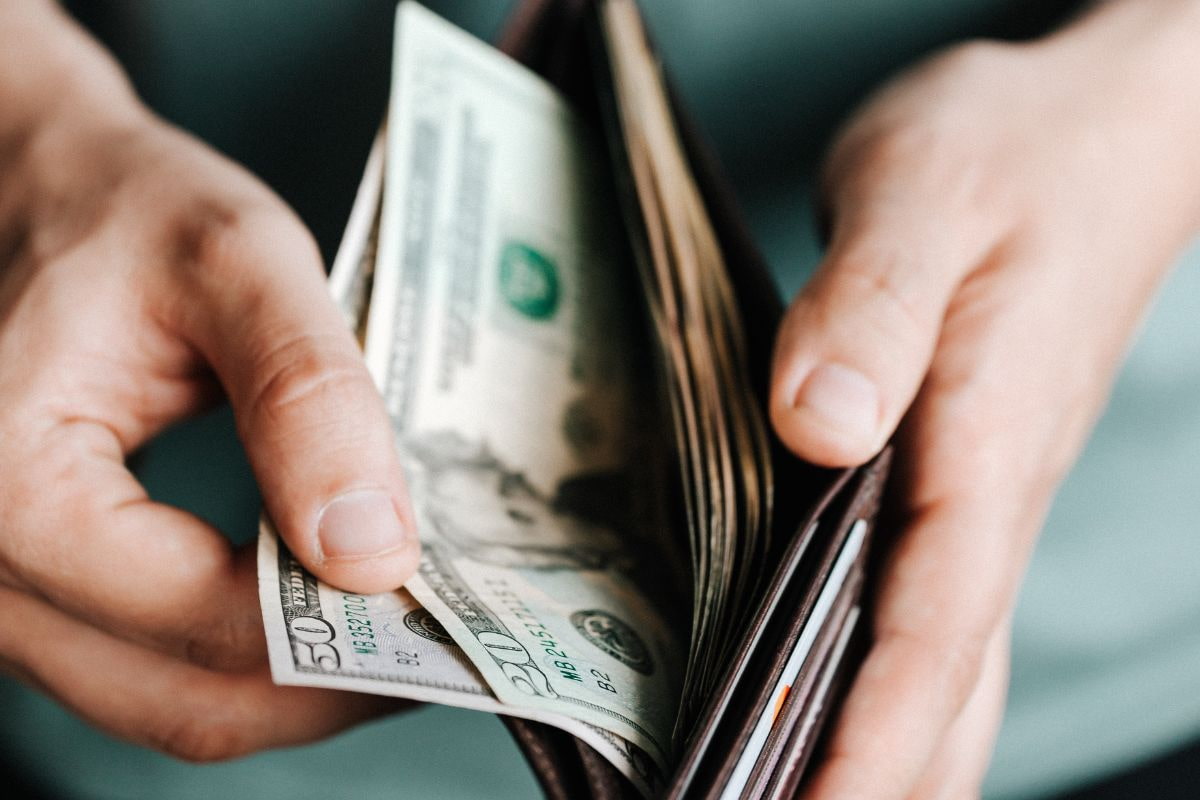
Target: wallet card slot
<point>803,653</point>
<point>795,754</point>
<point>786,609</point>
<point>739,678</point>
<point>787,731</point>
<point>809,741</point>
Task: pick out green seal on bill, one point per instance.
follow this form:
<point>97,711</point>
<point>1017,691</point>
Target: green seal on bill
<point>528,280</point>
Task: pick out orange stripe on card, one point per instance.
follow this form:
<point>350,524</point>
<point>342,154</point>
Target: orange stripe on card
<point>779,702</point>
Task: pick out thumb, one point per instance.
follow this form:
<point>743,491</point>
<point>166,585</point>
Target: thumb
<point>857,341</point>
<point>312,422</point>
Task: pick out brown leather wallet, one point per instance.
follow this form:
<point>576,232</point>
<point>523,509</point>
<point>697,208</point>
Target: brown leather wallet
<point>761,728</point>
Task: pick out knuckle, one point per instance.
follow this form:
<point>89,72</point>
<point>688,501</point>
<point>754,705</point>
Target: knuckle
<point>975,437</point>
<point>200,738</point>
<point>206,233</point>
<point>954,661</point>
<point>933,150</point>
<point>962,666</point>
<point>929,130</point>
<point>304,376</point>
<point>224,643</point>
<point>882,275</point>
<point>217,240</point>
<point>973,56</point>
<point>29,546</point>
<point>887,149</point>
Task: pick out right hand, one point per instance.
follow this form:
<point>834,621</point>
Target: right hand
<point>1001,216</point>
<point>142,274</point>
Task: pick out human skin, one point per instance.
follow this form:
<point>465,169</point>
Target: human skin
<point>141,274</point>
<point>1000,219</point>
<point>1001,216</point>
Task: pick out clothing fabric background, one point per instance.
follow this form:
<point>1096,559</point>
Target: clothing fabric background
<point>1107,635</point>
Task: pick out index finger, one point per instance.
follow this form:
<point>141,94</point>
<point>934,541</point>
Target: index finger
<point>98,548</point>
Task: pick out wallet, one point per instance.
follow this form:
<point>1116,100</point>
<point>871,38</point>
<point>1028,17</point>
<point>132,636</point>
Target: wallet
<point>759,731</point>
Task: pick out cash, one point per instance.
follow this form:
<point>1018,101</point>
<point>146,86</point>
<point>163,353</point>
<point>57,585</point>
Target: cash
<point>501,333</point>
<point>719,430</point>
<point>387,644</point>
<point>543,384</point>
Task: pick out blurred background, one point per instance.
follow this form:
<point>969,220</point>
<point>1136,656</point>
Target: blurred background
<point>1107,636</point>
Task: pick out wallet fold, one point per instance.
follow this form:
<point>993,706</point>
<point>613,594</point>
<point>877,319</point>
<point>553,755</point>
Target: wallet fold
<point>819,512</point>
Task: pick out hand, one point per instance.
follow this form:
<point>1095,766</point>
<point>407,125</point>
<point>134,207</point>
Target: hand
<point>140,275</point>
<point>1000,219</point>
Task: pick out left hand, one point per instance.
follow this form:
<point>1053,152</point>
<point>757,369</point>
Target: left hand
<point>1001,218</point>
<point>142,274</point>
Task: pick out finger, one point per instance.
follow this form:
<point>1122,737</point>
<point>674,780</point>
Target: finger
<point>945,590</point>
<point>960,765</point>
<point>313,423</point>
<point>857,341</point>
<point>100,549</point>
<point>154,700</point>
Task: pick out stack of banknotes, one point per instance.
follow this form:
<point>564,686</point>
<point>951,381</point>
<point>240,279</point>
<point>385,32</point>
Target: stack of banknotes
<point>589,467</point>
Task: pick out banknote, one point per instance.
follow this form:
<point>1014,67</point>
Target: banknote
<point>353,268</point>
<point>388,644</point>
<point>501,333</point>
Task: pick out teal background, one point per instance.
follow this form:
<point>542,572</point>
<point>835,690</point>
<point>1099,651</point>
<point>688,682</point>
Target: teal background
<point>1107,635</point>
